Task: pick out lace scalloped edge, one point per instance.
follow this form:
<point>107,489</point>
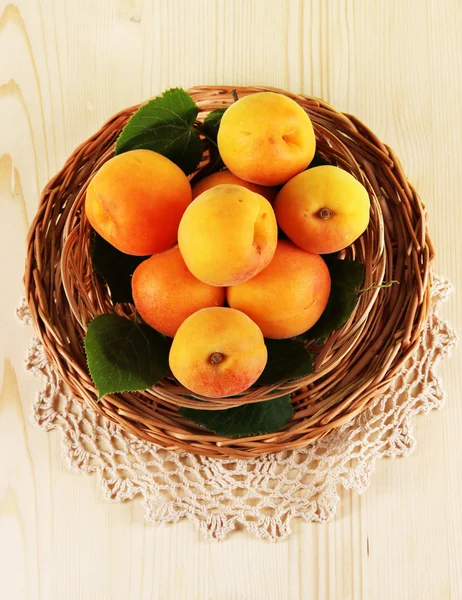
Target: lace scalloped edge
<point>262,495</point>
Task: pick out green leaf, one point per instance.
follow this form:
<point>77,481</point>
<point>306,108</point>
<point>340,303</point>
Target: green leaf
<point>123,356</point>
<point>346,278</point>
<point>212,124</point>
<point>165,125</point>
<point>249,419</point>
<point>287,359</point>
<point>115,268</point>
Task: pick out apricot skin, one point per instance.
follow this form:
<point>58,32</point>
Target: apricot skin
<point>226,176</point>
<point>227,235</point>
<point>218,352</point>
<point>266,138</point>
<point>166,293</point>
<point>287,297</point>
<point>136,200</point>
<point>328,192</point>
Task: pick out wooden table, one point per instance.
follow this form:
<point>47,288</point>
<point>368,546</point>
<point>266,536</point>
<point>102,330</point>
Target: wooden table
<point>66,66</point>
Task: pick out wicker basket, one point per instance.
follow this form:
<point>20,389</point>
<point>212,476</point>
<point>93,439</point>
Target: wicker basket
<point>357,362</point>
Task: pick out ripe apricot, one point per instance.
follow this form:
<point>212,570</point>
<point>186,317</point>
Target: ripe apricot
<point>287,297</point>
<point>226,176</point>
<point>165,292</point>
<point>266,138</point>
<point>136,200</point>
<point>218,352</point>
<point>227,235</point>
<point>323,210</point>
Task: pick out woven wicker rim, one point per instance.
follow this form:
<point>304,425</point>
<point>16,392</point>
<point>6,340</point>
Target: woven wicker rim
<point>354,366</point>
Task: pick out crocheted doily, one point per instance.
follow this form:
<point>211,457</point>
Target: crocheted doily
<point>262,494</point>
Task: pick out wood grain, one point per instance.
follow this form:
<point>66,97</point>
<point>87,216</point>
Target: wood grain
<point>67,65</point>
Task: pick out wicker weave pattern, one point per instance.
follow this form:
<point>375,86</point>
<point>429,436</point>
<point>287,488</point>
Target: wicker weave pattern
<point>357,363</point>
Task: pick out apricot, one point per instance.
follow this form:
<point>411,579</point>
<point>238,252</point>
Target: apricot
<point>165,292</point>
<point>266,138</point>
<point>226,176</point>
<point>287,297</point>
<point>136,200</point>
<point>227,235</point>
<point>218,352</point>
<point>323,210</point>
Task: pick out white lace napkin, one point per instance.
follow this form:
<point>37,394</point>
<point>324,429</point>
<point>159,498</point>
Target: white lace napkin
<point>262,494</point>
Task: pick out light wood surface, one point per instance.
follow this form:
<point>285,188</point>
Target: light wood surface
<point>66,66</point>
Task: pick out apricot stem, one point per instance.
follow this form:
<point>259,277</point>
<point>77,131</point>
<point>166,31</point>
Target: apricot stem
<point>216,357</point>
<point>235,96</point>
<point>325,213</point>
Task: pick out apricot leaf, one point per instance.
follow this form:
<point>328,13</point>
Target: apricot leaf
<point>165,125</point>
<point>211,124</point>
<point>249,419</point>
<point>346,278</point>
<point>123,356</point>
<point>287,359</point>
<point>115,268</point>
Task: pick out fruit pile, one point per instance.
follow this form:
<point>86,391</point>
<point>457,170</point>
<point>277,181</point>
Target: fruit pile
<point>237,258</point>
